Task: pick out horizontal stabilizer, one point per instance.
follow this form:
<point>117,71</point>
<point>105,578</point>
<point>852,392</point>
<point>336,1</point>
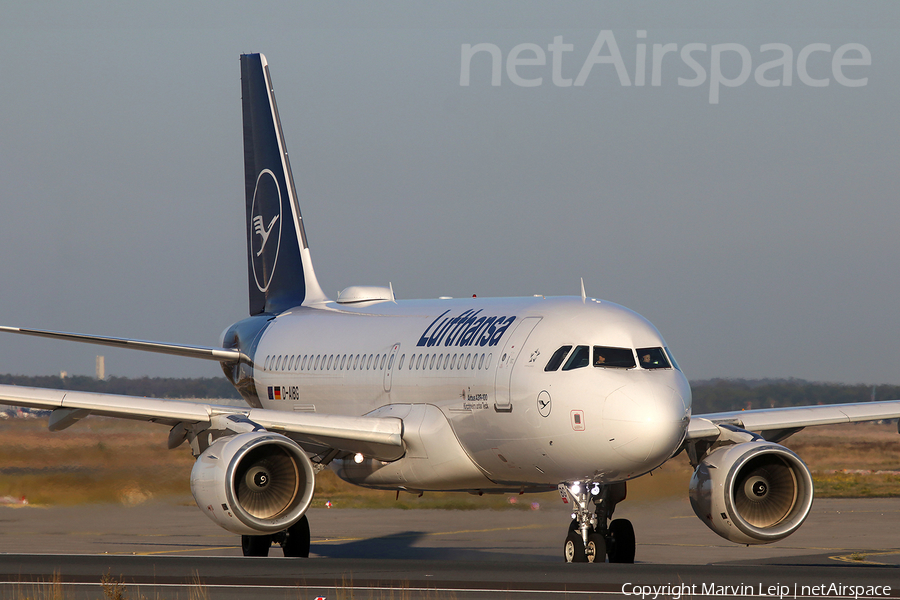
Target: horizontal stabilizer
<point>225,355</point>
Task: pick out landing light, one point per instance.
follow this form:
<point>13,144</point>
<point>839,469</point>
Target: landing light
<point>595,491</point>
<point>576,488</point>
<point>358,458</point>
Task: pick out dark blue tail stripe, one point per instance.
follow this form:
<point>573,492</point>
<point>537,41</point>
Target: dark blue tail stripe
<point>274,228</point>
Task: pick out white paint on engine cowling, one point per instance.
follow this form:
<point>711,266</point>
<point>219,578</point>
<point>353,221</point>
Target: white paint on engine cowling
<point>726,472</point>
<point>214,482</point>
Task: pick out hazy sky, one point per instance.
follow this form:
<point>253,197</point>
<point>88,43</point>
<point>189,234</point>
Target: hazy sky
<point>756,226</point>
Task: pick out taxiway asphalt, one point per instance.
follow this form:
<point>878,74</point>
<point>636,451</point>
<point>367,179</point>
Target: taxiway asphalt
<point>164,550</point>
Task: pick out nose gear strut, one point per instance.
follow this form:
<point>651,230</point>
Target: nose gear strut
<point>592,537</point>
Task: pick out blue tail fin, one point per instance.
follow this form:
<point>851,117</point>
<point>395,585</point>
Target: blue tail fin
<point>280,271</point>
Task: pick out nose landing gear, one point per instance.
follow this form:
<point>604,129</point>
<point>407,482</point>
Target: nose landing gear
<point>591,537</point>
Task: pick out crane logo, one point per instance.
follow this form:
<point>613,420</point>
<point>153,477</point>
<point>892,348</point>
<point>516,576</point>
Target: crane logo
<point>259,229</point>
<point>266,219</point>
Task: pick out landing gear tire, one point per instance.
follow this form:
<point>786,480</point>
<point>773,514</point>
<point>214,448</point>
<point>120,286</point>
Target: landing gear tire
<point>574,548</point>
<point>256,545</point>
<point>296,541</point>
<point>621,541</point>
<point>595,549</point>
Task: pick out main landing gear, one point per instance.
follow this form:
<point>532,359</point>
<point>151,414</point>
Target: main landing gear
<point>294,541</point>
<point>591,537</point>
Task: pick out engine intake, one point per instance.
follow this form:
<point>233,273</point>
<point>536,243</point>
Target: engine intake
<point>752,493</point>
<point>253,483</point>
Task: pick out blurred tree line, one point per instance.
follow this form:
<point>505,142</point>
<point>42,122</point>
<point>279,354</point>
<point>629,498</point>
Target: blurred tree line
<point>717,395</point>
<point>157,387</point>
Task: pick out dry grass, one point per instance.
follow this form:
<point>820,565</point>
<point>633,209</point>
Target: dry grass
<point>108,460</point>
<point>857,460</point>
<point>854,446</point>
<point>845,461</point>
<point>111,588</point>
<point>99,460</point>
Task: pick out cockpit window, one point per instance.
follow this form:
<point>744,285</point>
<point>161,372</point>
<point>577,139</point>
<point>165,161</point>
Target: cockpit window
<point>672,358</point>
<point>653,358</point>
<point>622,358</point>
<point>557,358</point>
<point>580,358</point>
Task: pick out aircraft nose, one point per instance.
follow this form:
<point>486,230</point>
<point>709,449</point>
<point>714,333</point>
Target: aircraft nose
<point>645,421</point>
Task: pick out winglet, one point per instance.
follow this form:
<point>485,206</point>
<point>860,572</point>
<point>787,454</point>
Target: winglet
<point>583,296</point>
<point>280,270</point>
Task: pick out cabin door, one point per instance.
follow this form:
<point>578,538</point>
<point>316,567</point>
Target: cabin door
<point>507,361</point>
<point>388,371</point>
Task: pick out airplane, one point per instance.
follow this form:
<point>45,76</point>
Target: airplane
<point>478,395</point>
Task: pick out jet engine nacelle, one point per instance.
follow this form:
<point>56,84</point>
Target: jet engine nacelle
<point>752,493</point>
<point>253,483</point>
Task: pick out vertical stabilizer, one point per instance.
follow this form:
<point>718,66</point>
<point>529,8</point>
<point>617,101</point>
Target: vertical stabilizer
<point>281,275</point>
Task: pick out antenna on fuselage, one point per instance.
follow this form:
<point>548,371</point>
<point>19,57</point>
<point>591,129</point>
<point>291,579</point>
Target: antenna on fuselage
<point>583,295</point>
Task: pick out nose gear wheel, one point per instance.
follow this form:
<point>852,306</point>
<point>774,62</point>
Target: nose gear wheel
<point>591,537</point>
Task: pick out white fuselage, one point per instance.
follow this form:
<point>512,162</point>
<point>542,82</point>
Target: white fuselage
<point>468,378</point>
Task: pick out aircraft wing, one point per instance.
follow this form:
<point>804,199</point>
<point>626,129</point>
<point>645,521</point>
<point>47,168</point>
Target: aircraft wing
<point>788,418</point>
<point>378,437</point>
<point>203,352</point>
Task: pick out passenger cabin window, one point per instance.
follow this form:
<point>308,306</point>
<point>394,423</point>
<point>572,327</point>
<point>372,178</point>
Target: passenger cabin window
<point>653,358</point>
<point>620,358</point>
<point>557,358</point>
<point>580,358</point>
